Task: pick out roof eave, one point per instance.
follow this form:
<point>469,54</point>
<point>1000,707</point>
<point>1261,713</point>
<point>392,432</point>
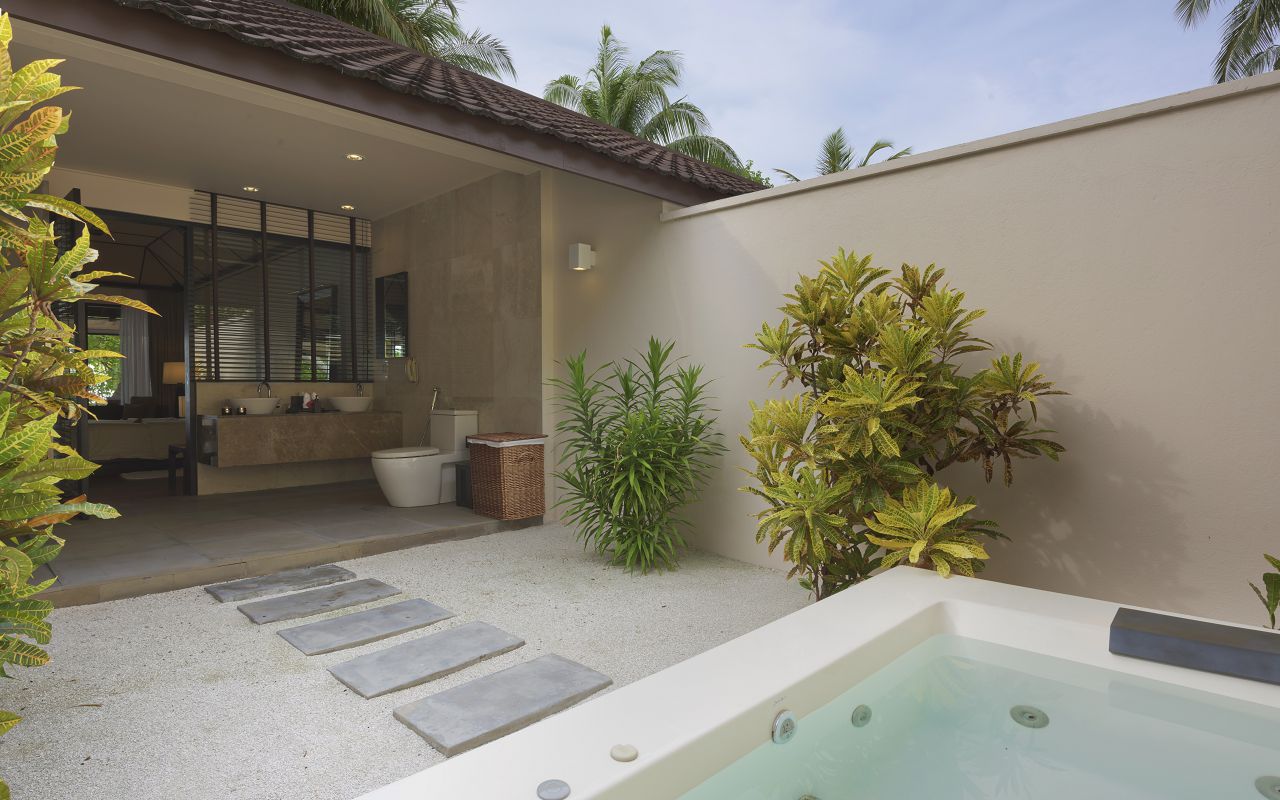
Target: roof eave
<point>157,35</point>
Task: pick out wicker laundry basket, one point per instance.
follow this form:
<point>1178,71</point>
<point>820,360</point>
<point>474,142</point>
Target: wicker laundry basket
<point>507,474</point>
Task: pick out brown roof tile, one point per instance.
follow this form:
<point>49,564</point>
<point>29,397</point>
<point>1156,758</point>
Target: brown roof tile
<point>316,38</point>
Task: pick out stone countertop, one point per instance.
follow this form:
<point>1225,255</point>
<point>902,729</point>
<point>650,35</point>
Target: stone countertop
<point>282,415</point>
<point>255,439</point>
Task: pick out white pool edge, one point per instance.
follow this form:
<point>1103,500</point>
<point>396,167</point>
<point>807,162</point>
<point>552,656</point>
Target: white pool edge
<point>691,719</point>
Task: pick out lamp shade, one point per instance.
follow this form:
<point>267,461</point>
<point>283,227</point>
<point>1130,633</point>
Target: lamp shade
<point>174,372</point>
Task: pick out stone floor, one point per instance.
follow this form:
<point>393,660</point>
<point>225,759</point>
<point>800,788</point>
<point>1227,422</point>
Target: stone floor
<point>175,695</point>
<point>165,543</point>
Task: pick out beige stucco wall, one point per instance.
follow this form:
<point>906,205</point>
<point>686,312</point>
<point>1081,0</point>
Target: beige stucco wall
<point>1134,254</point>
<point>473,258</point>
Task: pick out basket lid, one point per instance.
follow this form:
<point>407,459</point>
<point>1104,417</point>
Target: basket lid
<point>507,439</point>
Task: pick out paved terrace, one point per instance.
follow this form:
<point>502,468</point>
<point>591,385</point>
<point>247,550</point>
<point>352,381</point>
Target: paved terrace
<point>166,543</point>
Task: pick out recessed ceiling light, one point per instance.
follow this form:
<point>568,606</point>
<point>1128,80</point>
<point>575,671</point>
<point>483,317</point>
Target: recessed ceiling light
<point>250,188</point>
<point>347,207</point>
<point>354,157</point>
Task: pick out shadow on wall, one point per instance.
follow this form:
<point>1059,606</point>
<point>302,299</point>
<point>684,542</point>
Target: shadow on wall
<point>1098,518</point>
<point>719,269</point>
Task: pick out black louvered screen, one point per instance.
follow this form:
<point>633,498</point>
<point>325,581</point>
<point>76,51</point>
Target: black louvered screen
<point>280,293</point>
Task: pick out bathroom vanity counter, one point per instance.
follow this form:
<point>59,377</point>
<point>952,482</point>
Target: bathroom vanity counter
<point>294,438</point>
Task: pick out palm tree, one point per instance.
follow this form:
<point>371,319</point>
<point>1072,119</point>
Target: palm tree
<point>835,155</point>
<point>633,97</point>
<point>428,26</point>
<point>1250,36</point>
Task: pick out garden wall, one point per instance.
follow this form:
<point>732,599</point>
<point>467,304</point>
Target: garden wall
<point>1134,253</point>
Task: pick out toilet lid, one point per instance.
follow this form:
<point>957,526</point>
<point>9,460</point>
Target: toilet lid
<point>406,452</point>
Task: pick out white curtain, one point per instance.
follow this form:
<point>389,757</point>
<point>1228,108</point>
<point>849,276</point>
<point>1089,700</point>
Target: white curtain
<point>135,369</point>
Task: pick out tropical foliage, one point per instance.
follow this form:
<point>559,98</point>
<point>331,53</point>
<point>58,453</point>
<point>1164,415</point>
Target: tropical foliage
<point>637,446</point>
<point>433,27</point>
<point>635,97</point>
<point>43,374</point>
<point>1250,35</point>
<point>836,155</point>
<point>1270,593</point>
<point>847,467</point>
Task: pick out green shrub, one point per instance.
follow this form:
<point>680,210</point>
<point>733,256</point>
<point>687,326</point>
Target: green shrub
<point>846,468</point>
<point>43,374</point>
<point>1270,595</point>
<point>636,446</point>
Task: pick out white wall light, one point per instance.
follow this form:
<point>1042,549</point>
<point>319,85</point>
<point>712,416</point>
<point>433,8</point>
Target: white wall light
<point>581,257</point>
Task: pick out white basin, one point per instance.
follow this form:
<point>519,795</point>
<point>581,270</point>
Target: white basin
<point>254,405</point>
<point>351,403</point>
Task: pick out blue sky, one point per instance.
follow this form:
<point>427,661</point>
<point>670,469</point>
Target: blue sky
<point>776,77</point>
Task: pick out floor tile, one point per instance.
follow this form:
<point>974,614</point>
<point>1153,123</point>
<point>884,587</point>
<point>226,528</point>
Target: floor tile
<point>317,601</point>
<point>488,708</point>
<point>425,659</point>
<point>280,582</point>
<point>363,627</point>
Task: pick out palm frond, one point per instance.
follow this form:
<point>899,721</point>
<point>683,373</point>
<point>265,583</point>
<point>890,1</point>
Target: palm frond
<point>565,91</point>
<point>883,144</point>
<point>675,121</point>
<point>709,149</point>
<point>428,26</point>
<point>481,53</point>
<point>1191,12</point>
<point>1249,34</point>
<point>834,154</point>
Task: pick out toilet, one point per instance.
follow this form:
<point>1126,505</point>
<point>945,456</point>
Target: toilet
<point>424,476</point>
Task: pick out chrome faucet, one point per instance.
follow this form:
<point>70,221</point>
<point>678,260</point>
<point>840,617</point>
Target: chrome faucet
<point>359,390</point>
<point>262,384</point>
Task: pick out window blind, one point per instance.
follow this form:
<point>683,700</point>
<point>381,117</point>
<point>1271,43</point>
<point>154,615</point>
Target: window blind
<point>280,293</point>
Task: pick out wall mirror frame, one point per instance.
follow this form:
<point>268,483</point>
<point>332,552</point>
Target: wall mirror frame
<point>391,300</point>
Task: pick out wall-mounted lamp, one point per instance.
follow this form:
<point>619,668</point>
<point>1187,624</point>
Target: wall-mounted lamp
<point>581,257</point>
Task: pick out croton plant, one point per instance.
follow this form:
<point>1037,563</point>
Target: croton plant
<point>45,379</point>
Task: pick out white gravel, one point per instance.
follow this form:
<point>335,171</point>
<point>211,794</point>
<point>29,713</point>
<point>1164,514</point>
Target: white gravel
<point>177,697</point>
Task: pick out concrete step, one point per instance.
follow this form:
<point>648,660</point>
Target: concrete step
<point>488,708</point>
<point>291,580</point>
<point>317,601</point>
<point>362,627</point>
<point>424,659</point>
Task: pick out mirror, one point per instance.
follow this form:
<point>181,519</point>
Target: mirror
<point>392,299</point>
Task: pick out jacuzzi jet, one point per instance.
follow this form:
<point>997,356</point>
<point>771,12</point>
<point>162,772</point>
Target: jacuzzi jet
<point>1029,716</point>
<point>553,790</point>
<point>784,727</point>
<point>1268,786</point>
<point>861,716</point>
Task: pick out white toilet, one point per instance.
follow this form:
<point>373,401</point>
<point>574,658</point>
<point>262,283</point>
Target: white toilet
<point>424,476</point>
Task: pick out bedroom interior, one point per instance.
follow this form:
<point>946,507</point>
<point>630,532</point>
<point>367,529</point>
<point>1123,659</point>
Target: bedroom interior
<point>141,417</point>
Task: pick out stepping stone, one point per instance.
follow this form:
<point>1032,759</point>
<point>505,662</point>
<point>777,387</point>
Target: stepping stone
<point>489,708</point>
<point>363,627</point>
<point>317,601</point>
<point>291,580</point>
<point>424,659</point>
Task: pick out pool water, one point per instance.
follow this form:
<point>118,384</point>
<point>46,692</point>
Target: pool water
<point>940,727</point>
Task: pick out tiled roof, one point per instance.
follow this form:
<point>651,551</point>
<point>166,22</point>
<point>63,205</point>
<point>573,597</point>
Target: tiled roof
<point>316,38</point>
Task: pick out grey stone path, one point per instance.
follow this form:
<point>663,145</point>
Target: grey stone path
<point>363,627</point>
<point>451,721</point>
<point>317,601</point>
<point>291,580</point>
<point>488,708</point>
<point>425,659</point>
